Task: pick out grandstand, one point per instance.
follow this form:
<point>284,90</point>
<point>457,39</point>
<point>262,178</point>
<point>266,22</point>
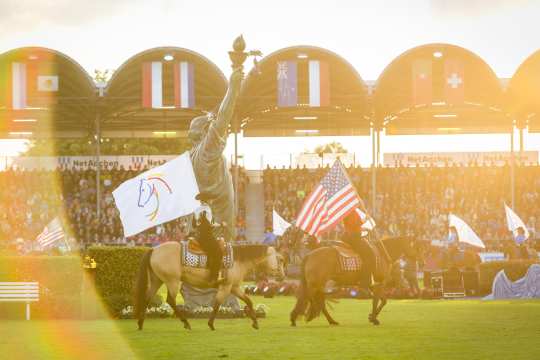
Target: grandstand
<point>431,89</point>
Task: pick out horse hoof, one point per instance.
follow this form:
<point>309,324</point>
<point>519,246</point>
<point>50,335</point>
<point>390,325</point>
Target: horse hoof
<point>293,324</point>
<point>375,322</point>
<point>334,323</point>
<point>187,326</point>
<point>255,326</point>
<point>211,326</point>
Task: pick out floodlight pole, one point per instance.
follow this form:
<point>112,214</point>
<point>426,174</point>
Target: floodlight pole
<point>236,190</point>
<point>98,167</point>
<point>373,172</point>
<point>378,148</point>
<point>521,141</point>
<point>512,165</point>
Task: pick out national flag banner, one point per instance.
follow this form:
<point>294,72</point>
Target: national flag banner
<point>332,200</point>
<point>422,82</point>
<point>184,85</point>
<point>465,232</point>
<point>47,83</point>
<point>152,84</point>
<point>287,83</point>
<point>18,86</point>
<point>454,81</point>
<point>280,225</point>
<point>158,195</point>
<point>319,83</point>
<point>514,222</point>
<point>51,234</point>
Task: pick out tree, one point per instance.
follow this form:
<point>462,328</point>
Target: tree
<point>331,148</point>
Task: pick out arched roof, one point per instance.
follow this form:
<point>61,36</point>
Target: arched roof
<point>523,93</point>
<point>343,109</point>
<point>125,112</point>
<point>437,89</point>
<point>44,93</point>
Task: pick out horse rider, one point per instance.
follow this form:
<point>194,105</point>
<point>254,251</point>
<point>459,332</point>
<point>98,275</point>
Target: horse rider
<point>521,242</point>
<point>205,234</point>
<point>357,237</point>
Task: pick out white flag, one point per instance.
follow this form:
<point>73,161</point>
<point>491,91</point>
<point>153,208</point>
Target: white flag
<point>280,225</point>
<point>464,231</point>
<point>158,195</point>
<point>514,222</point>
<point>368,222</point>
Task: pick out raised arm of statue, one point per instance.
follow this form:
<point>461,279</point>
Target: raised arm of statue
<point>217,134</point>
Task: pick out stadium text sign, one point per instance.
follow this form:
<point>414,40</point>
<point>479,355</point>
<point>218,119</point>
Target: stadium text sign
<point>497,158</point>
<point>85,162</point>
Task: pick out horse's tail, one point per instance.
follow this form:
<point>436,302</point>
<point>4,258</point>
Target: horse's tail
<point>316,304</point>
<point>141,286</point>
<point>302,292</point>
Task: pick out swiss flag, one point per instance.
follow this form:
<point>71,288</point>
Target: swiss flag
<point>422,82</point>
<point>454,81</point>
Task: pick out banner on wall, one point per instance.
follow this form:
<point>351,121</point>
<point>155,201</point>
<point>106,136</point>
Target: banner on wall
<point>84,162</point>
<point>497,158</point>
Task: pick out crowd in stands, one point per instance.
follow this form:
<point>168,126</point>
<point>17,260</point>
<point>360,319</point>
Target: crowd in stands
<point>31,199</point>
<point>417,200</point>
<point>410,201</point>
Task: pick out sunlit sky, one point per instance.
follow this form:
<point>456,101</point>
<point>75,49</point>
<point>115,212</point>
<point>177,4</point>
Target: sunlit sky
<point>102,34</point>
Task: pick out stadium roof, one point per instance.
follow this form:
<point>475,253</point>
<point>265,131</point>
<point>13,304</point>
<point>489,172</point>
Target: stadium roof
<point>44,93</point>
<point>524,90</point>
<point>124,112</point>
<point>439,89</point>
<point>339,104</point>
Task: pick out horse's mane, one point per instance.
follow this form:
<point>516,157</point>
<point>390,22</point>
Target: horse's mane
<point>249,252</point>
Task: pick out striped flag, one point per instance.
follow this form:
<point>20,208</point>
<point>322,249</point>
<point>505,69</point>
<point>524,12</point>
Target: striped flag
<point>152,84</point>
<point>332,200</point>
<point>422,82</point>
<point>51,234</point>
<point>184,89</point>
<point>18,86</point>
<point>319,84</point>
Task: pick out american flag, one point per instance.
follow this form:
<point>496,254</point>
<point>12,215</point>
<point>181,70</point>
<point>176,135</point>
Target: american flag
<point>52,233</point>
<point>332,200</point>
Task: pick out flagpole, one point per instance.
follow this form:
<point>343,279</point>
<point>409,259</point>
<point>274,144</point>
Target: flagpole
<point>98,167</point>
<point>373,173</point>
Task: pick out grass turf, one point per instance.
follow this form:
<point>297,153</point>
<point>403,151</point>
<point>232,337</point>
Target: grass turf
<point>457,329</point>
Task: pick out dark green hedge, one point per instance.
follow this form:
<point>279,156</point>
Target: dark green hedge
<point>116,273</point>
<point>514,269</point>
<point>60,280</point>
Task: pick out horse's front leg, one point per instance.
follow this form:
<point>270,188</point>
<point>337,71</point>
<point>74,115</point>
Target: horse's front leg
<point>375,304</point>
<point>250,311</point>
<point>221,294</point>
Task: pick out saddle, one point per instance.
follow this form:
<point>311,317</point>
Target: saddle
<point>349,260</point>
<point>192,255</point>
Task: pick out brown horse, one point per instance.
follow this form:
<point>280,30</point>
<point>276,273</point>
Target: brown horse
<point>323,264</point>
<point>162,264</point>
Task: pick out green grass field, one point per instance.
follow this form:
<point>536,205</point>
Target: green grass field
<point>458,329</point>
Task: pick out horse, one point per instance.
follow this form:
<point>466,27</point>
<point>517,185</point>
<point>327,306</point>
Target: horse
<point>323,264</point>
<point>162,265</point>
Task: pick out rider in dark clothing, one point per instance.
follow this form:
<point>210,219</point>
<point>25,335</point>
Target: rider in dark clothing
<point>208,242</point>
<point>360,244</point>
<point>210,246</point>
